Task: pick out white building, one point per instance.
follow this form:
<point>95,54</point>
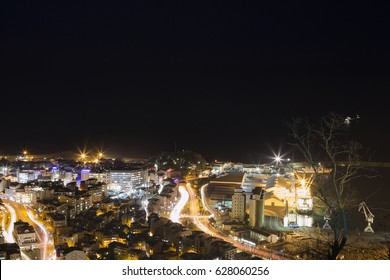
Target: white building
<point>85,174</point>
<point>55,174</point>
<point>68,177</point>
<point>25,235</point>
<point>238,205</point>
<point>26,176</point>
<point>128,179</point>
<point>4,170</point>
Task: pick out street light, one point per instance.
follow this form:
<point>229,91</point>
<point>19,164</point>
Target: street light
<point>83,157</point>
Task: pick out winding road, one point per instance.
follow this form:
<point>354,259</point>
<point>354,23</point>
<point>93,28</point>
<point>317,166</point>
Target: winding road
<point>19,211</point>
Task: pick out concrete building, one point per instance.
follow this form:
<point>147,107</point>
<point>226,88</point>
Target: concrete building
<point>256,208</point>
<point>238,205</point>
<point>26,176</point>
<point>128,180</point>
<point>84,174</point>
<point>55,174</point>
<point>79,203</point>
<point>25,235</point>
<point>100,177</point>
<point>73,253</point>
<point>57,220</point>
<point>222,188</point>
<point>96,193</point>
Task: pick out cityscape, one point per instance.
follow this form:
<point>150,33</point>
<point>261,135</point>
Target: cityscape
<point>182,131</point>
<point>174,206</point>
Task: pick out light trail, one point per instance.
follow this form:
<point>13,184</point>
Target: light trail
<point>205,205</point>
<point>203,225</point>
<point>43,230</point>
<point>9,237</point>
<point>43,235</point>
<point>8,234</point>
<point>184,196</point>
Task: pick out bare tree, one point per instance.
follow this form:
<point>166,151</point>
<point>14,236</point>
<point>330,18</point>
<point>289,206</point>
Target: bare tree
<point>327,145</point>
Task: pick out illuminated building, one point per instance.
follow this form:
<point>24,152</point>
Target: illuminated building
<point>4,170</point>
<point>67,177</point>
<point>25,235</point>
<point>256,208</point>
<point>79,203</point>
<point>100,177</point>
<point>128,179</point>
<point>26,176</point>
<point>85,174</point>
<point>238,205</point>
<point>55,173</point>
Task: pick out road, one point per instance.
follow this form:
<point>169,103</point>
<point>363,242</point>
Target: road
<point>19,211</point>
<point>203,224</point>
<point>9,218</point>
<point>175,214</point>
<point>8,223</point>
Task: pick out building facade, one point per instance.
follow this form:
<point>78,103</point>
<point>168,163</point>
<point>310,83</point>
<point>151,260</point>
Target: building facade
<point>238,205</point>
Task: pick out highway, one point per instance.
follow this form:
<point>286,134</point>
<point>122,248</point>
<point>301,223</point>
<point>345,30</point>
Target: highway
<point>18,211</point>
<point>8,223</point>
<point>9,218</point>
<point>184,196</point>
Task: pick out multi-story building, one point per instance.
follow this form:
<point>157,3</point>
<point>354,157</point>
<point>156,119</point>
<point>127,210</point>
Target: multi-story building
<point>100,177</point>
<point>84,174</point>
<point>26,176</point>
<point>25,235</point>
<point>54,174</point>
<point>79,203</point>
<point>57,220</point>
<point>96,193</point>
<point>128,179</point>
<point>238,205</point>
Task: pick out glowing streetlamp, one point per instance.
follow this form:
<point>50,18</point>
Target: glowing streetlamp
<point>278,159</point>
<point>83,156</point>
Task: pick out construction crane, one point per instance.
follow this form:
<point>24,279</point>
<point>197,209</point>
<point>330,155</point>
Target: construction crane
<point>369,216</point>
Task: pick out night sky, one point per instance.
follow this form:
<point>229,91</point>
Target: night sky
<point>133,77</point>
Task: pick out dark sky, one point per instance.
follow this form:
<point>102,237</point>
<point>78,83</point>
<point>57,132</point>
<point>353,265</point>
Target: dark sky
<point>218,77</point>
